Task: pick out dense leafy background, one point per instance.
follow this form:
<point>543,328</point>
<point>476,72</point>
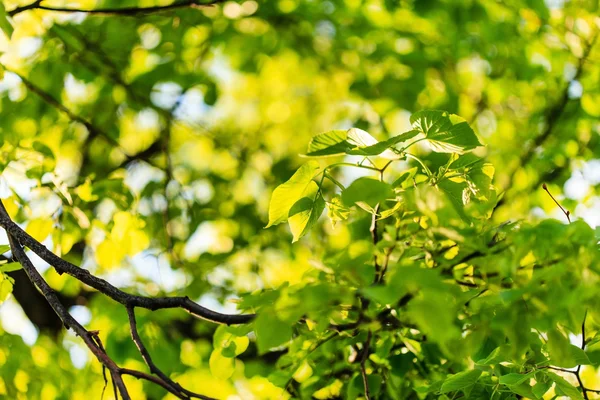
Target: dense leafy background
<point>147,149</point>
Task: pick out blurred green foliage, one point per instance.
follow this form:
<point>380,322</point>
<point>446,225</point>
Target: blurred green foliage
<point>152,149</point>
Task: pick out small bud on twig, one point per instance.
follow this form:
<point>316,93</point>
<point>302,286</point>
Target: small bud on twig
<point>567,213</point>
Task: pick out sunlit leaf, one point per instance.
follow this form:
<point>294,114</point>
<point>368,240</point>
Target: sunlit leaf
<point>6,286</point>
<point>5,24</point>
<point>381,147</point>
<point>304,214</point>
<point>446,133</point>
<point>329,144</point>
<point>9,267</point>
<point>221,367</point>
<point>288,193</point>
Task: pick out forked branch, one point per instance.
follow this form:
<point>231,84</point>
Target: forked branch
<point>18,238</point>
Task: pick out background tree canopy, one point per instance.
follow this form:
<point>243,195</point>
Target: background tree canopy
<point>146,145</point>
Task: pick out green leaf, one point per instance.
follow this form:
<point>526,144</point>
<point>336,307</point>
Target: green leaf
<point>541,387</point>
<point>579,355</point>
<point>330,143</point>
<point>566,387</point>
<point>367,190</point>
<point>498,355</point>
<point>480,181</point>
<point>220,366</point>
<point>4,248</point>
<point>405,176</point>
<point>564,354</point>
<point>473,188</point>
<point>523,389</point>
<point>354,142</point>
<point>359,138</point>
<point>270,331</point>
<point>43,149</point>
<point>304,215</point>
<point>446,133</point>
<point>460,381</point>
<point>465,160</point>
<point>288,193</point>
<point>6,286</point>
<point>454,191</point>
<point>378,148</point>
<point>434,314</point>
<point>5,24</point>
<point>515,379</point>
<point>230,345</point>
<point>13,266</point>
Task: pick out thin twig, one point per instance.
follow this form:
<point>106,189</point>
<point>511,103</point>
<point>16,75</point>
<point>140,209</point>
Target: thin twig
<point>177,389</point>
<point>119,11</point>
<point>363,359</point>
<point>567,213</point>
<point>151,378</point>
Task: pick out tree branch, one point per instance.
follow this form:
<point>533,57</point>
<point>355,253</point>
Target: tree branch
<point>17,237</point>
<point>165,381</point>
<point>153,379</point>
<point>118,11</point>
<point>126,299</point>
<point>66,318</point>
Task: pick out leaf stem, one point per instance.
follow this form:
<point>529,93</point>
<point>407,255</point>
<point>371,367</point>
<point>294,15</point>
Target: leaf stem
<point>427,170</point>
<point>333,180</point>
<point>347,164</point>
<point>410,144</point>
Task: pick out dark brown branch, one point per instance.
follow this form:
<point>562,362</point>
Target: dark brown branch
<point>66,318</point>
<point>35,306</point>
<point>90,338</point>
<point>150,378</point>
<point>567,213</point>
<point>118,11</point>
<point>175,388</point>
<point>129,300</point>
